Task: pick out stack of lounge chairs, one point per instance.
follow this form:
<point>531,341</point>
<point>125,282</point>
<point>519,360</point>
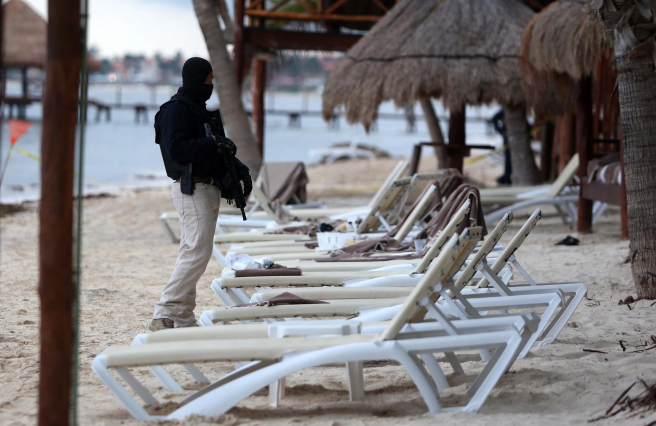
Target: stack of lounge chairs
<point>387,301</point>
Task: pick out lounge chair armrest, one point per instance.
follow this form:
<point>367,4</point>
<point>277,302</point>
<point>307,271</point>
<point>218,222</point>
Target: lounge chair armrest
<point>318,328</point>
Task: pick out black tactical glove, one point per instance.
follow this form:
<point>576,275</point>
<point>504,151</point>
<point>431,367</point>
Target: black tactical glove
<point>226,146</point>
<point>244,175</point>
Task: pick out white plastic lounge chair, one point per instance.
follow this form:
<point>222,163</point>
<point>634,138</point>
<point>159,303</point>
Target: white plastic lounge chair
<point>351,307</point>
<point>382,211</point>
<point>420,265</point>
<point>288,350</point>
<point>300,249</point>
<point>260,200</point>
<point>566,296</point>
<point>559,194</point>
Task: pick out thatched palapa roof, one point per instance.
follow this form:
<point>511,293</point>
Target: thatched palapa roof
<point>25,35</point>
<point>463,51</point>
<point>561,44</point>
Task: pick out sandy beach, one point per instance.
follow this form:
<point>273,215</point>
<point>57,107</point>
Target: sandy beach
<point>127,258</point>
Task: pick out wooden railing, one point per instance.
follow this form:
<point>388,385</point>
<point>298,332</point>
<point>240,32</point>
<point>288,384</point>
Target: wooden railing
<point>312,11</point>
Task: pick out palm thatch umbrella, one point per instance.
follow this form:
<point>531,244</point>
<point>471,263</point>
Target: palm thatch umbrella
<point>25,34</point>
<point>463,51</point>
<point>562,44</point>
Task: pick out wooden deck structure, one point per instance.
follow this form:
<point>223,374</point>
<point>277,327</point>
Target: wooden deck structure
<point>256,20</point>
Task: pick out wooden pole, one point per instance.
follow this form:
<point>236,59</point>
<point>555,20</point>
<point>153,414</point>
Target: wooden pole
<point>56,287</point>
<point>457,137</point>
<point>567,148</point>
<point>547,135</point>
<point>584,129</point>
<point>238,52</point>
<point>259,89</point>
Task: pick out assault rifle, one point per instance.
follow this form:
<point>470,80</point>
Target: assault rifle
<point>230,185</point>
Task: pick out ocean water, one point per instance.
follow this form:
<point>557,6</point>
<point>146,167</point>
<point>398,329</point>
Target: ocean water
<point>123,154</point>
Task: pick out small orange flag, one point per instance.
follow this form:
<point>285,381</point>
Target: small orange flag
<point>17,128</point>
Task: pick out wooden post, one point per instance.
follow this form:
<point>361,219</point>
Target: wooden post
<point>56,287</point>
<point>24,82</point>
<point>414,161</point>
<point>457,136</point>
<point>566,148</point>
<point>238,52</point>
<point>584,129</point>
<point>259,89</point>
<point>547,135</point>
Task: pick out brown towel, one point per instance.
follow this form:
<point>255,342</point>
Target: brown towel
<point>285,298</point>
<point>387,242</point>
<point>453,203</point>
<point>278,272</point>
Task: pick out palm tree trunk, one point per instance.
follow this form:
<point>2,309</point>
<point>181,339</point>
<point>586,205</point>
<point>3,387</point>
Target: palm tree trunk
<point>637,94</point>
<point>435,130</point>
<point>637,88</point>
<point>232,109</point>
<point>524,170</point>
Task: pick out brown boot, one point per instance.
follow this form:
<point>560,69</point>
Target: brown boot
<point>160,324</point>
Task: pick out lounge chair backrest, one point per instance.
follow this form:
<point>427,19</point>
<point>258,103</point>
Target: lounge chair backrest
<point>263,200</point>
<point>441,238</point>
<point>416,213</point>
<point>436,273</point>
<point>398,171</point>
<point>513,245</point>
<point>565,177</point>
<point>469,239</point>
<point>393,192</point>
<point>486,248</point>
<point>424,179</point>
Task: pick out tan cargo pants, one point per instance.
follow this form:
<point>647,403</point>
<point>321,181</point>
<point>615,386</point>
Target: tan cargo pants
<point>197,214</point>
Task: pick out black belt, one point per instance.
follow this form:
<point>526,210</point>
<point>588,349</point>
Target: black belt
<point>197,179</point>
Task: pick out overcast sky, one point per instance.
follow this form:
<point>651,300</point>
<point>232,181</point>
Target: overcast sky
<point>141,26</point>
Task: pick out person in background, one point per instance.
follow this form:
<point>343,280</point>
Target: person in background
<point>499,124</point>
<point>192,147</point>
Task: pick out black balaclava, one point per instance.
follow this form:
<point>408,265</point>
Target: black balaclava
<point>194,74</point>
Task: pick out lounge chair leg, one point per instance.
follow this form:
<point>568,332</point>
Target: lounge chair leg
<point>196,373</point>
<point>544,321</point>
<point>276,392</point>
<point>220,257</point>
<point>493,371</point>
<point>355,370</point>
<point>422,380</point>
<point>455,363</point>
<point>117,389</point>
<point>143,393</point>
<point>166,379</point>
<point>435,371</point>
<point>564,315</point>
<point>167,228</point>
<point>492,359</point>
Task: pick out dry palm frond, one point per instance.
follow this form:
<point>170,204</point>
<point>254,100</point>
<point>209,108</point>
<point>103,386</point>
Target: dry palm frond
<point>561,44</point>
<point>463,51</point>
<point>25,35</point>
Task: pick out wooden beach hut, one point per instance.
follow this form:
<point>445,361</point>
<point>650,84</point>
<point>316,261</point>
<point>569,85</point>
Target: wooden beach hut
<point>466,52</point>
<point>565,51</point>
<point>25,36</point>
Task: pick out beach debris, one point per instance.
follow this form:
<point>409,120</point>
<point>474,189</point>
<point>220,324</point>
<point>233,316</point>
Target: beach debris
<point>632,405</point>
<point>627,301</point>
<point>595,351</point>
<point>568,241</point>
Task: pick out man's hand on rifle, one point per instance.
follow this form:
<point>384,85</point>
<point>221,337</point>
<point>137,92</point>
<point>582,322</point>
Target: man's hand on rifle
<point>245,177</point>
<point>226,146</point>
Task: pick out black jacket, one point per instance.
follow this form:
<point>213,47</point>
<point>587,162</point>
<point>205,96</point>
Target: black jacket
<point>180,133</point>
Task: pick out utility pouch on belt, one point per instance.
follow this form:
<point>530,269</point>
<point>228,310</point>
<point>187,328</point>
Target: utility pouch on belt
<point>187,181</point>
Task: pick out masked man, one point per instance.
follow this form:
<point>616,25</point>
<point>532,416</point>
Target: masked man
<point>193,146</point>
